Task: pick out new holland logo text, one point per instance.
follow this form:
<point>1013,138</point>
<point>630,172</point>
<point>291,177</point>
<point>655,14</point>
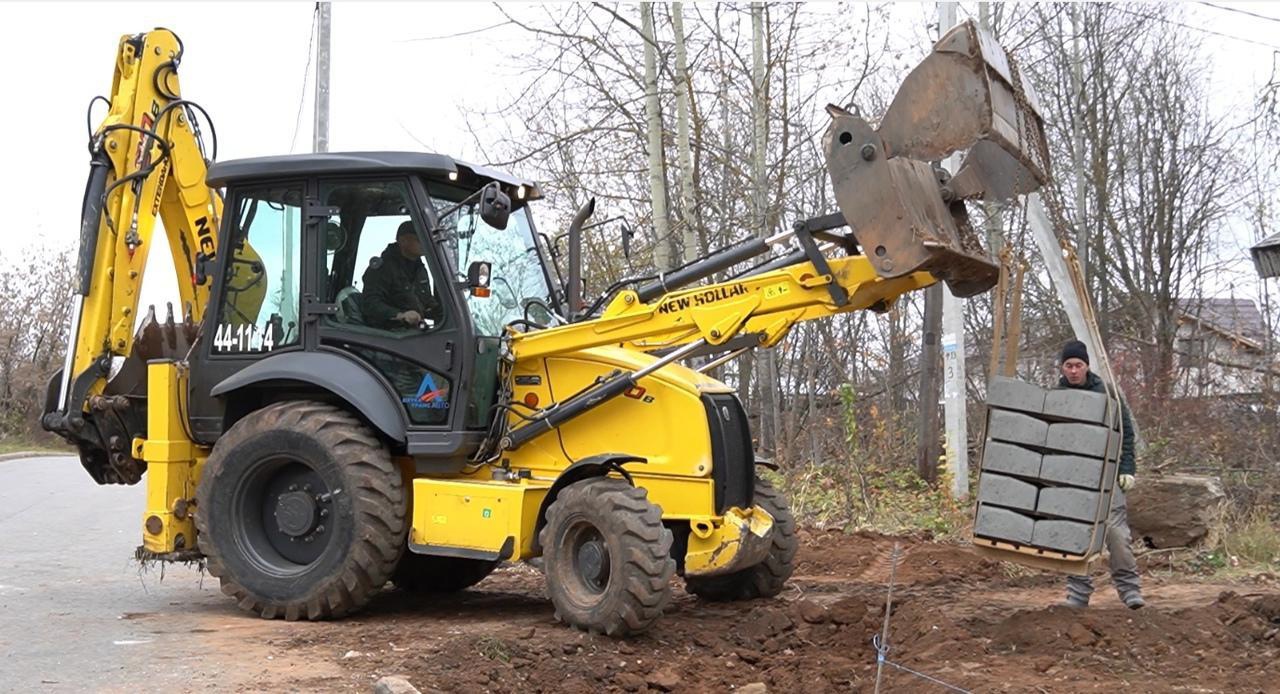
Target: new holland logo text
<point>710,296</point>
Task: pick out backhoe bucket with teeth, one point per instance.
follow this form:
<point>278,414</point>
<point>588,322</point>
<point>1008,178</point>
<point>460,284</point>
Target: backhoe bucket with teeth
<point>907,212</point>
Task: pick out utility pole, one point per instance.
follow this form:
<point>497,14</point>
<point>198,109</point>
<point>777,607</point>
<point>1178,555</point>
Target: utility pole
<point>320,137</point>
<point>994,210</point>
<point>927,450</point>
<point>953,344</point>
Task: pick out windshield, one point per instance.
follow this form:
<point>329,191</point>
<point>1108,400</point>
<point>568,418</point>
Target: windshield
<point>517,275</point>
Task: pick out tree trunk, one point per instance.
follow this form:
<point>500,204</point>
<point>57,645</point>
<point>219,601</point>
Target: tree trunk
<point>684,94</point>
<point>653,125</point>
<point>768,378</point>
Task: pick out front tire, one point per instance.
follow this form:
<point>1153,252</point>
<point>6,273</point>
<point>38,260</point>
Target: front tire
<point>300,512</point>
<point>766,579</point>
<point>607,557</point>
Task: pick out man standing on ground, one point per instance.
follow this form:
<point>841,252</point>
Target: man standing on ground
<point>1124,567</point>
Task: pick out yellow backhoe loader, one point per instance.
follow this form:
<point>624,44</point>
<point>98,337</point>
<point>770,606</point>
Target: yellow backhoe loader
<point>378,373</point>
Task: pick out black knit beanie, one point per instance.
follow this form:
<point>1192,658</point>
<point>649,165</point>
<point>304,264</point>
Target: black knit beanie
<point>1074,349</point>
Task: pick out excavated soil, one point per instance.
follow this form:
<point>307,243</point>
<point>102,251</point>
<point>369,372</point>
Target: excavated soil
<point>975,624</point>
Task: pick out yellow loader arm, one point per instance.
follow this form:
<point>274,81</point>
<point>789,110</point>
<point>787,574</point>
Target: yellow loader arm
<point>146,163</point>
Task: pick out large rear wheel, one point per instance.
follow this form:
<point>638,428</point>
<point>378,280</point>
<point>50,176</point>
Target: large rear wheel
<point>607,557</point>
<point>301,512</point>
<point>766,579</point>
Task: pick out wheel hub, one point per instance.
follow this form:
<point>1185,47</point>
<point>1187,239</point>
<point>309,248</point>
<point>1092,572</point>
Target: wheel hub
<point>295,513</point>
<point>593,563</point>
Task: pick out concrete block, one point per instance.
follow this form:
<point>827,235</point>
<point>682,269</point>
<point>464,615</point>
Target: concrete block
<point>1081,439</point>
<point>1076,405</point>
<point>999,490</point>
<point>1074,470</point>
<point>1066,502</point>
<point>1009,459</point>
<point>1012,394</point>
<point>1014,427</point>
<point>1064,536</point>
<point>1002,524</point>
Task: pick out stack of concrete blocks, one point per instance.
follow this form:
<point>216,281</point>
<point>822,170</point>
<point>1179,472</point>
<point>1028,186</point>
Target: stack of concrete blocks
<point>1048,467</point>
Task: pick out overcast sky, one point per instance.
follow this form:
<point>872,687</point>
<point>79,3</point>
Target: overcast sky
<point>393,86</point>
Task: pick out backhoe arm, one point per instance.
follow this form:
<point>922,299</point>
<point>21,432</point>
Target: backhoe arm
<point>146,163</point>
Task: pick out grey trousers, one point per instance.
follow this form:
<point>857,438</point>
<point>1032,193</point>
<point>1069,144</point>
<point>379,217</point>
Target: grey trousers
<point>1124,567</point>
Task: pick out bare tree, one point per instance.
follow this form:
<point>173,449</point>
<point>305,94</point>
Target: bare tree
<point>33,327</point>
<point>653,125</point>
<point>684,99</point>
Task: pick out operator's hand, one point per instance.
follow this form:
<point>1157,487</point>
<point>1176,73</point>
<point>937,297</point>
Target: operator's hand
<point>411,317</point>
<point>1126,482</point>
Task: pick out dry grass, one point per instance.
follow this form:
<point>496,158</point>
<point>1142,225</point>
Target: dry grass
<point>1253,539</point>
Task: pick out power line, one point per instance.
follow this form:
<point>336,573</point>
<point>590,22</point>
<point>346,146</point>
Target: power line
<point>302,93</point>
<point>1195,28</point>
<point>459,34</point>
<point>1239,11</point>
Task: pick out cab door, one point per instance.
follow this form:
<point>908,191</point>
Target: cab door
<point>256,307</point>
<point>396,309</point>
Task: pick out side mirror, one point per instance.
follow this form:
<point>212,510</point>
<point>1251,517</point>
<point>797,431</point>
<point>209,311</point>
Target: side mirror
<point>202,263</point>
<point>478,274</point>
<point>495,206</point>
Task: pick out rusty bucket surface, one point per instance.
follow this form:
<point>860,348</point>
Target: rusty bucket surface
<point>908,213</point>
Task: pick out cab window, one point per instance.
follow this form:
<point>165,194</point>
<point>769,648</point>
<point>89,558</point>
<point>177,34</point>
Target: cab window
<point>258,312</point>
<point>518,281</point>
<point>377,268</point>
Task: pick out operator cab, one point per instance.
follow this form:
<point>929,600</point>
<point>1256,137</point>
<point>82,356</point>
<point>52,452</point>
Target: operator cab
<point>383,280</point>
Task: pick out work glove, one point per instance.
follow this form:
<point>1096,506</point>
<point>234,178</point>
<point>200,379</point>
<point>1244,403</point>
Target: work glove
<point>1126,482</point>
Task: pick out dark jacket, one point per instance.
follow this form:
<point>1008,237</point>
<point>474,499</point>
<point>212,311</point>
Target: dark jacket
<point>1094,382</point>
<point>394,284</point>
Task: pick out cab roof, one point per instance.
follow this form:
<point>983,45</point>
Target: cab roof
<point>423,163</point>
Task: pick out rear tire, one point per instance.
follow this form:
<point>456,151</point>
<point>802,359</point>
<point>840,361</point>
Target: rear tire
<point>300,512</point>
<point>426,574</point>
<point>766,579</point>
<point>607,557</point>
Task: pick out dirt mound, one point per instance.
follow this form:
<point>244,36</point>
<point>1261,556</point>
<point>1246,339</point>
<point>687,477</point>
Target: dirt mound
<point>866,556</point>
<point>1230,619</point>
<point>955,616</point>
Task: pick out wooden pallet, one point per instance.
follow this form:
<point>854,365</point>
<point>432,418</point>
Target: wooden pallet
<point>1034,557</point>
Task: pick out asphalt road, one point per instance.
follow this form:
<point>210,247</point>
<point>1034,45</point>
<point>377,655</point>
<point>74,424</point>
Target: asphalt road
<point>78,613</point>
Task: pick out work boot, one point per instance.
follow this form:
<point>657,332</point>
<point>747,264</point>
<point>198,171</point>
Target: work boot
<point>1133,600</point>
<point>1076,602</point>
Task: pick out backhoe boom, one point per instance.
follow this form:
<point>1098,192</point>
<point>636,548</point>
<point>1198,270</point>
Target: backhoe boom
<point>147,164</point>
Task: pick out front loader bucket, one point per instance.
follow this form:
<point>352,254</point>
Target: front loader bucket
<point>907,213</point>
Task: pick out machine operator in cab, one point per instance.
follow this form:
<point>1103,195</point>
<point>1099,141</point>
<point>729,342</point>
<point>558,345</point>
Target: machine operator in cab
<point>397,287</point>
